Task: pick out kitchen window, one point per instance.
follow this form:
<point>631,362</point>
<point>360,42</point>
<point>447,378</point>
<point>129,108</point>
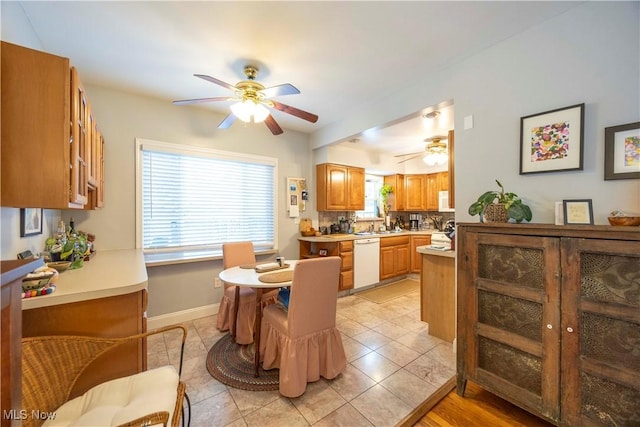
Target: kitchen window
<point>190,200</point>
<point>372,185</point>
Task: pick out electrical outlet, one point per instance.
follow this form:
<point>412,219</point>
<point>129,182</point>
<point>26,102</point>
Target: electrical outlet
<point>217,283</point>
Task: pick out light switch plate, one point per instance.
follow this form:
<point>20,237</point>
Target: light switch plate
<point>468,122</point>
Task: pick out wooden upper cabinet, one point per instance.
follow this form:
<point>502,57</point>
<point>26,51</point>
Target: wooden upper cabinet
<point>415,192</point>
<point>432,190</point>
<point>46,131</point>
<point>81,123</point>
<point>395,199</point>
<point>36,129</point>
<point>339,187</point>
<point>355,189</point>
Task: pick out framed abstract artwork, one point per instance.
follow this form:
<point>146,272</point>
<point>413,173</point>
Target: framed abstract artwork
<point>552,141</point>
<point>622,151</point>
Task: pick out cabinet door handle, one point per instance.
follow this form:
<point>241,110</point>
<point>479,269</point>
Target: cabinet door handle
<point>569,329</point>
<point>549,326</point>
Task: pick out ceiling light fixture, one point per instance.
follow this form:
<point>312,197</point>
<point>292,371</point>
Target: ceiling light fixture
<point>248,110</point>
<point>436,152</point>
<point>432,115</point>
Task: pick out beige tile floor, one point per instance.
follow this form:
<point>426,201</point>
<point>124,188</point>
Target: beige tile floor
<point>393,365</point>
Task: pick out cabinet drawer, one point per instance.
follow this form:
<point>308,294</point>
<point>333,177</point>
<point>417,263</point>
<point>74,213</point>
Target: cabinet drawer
<point>393,241</point>
<point>347,260</point>
<point>346,280</point>
<point>346,246</point>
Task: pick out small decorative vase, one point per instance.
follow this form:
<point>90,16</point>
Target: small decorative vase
<point>496,212</point>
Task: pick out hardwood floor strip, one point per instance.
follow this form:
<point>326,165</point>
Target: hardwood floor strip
<point>428,404</point>
<point>477,408</point>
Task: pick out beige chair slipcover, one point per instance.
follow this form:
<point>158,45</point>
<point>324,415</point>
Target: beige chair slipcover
<point>235,254</point>
<point>303,341</point>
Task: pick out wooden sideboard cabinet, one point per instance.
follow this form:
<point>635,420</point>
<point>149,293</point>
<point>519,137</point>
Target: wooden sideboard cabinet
<point>549,319</point>
<point>10,349</point>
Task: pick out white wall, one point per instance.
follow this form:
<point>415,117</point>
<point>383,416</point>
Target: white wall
<point>589,54</point>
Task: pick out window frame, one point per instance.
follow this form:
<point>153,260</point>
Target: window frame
<point>182,255</point>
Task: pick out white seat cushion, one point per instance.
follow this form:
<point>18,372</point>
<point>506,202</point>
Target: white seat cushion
<point>121,400</point>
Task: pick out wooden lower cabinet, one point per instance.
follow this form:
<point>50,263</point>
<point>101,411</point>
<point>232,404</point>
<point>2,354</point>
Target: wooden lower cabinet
<point>549,319</point>
<point>395,259</point>
<point>346,270</point>
<point>416,258</point>
<point>343,249</point>
<point>438,295</point>
<point>114,316</point>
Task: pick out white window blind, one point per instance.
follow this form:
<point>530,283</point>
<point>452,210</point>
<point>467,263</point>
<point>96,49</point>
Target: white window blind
<point>194,199</point>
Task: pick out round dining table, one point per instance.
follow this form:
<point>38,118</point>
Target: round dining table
<point>249,276</point>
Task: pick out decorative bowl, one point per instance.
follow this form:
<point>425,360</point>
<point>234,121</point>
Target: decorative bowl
<point>624,220</point>
<point>308,233</point>
<point>40,278</point>
<point>59,265</point>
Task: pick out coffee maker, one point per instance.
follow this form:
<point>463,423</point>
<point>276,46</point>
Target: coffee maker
<point>414,221</point>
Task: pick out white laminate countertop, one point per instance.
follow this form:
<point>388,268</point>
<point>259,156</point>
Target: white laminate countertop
<point>343,237</point>
<point>426,250</point>
<point>108,273</point>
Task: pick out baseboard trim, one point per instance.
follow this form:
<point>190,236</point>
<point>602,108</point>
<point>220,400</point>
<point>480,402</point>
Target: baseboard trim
<point>181,316</point>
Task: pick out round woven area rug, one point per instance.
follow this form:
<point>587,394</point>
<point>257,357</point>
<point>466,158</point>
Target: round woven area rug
<point>233,364</point>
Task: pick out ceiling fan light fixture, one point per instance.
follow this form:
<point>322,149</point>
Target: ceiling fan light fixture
<point>260,113</point>
<point>432,159</point>
<point>247,110</point>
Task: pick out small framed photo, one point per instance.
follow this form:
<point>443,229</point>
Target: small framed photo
<point>30,221</point>
<point>578,212</point>
<point>323,252</point>
<point>552,141</point>
<point>622,151</point>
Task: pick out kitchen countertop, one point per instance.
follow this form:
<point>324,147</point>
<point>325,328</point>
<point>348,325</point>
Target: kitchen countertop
<point>108,273</point>
<point>343,237</point>
<point>426,250</point>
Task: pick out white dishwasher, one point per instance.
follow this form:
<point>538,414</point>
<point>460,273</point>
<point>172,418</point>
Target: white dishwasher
<point>366,262</point>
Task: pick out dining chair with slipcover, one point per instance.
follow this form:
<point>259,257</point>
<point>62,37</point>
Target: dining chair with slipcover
<point>52,365</point>
<point>237,312</point>
<point>303,340</point>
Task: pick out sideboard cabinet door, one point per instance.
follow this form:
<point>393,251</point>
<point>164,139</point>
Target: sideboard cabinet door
<point>601,332</point>
<point>510,293</point>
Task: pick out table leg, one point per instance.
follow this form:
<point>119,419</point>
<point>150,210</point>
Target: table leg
<point>256,330</point>
<point>235,314</point>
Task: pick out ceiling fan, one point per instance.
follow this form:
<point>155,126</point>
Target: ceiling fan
<point>435,152</point>
<point>251,101</point>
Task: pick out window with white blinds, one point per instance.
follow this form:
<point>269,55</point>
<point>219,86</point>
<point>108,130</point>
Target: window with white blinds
<point>195,199</point>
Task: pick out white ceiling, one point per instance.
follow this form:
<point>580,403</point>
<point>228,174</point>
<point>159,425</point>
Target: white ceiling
<point>340,55</point>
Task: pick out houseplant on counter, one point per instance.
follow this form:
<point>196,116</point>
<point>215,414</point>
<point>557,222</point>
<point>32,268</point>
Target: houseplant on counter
<point>385,190</point>
<point>499,206</point>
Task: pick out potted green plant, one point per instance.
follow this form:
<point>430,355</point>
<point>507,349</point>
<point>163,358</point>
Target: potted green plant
<point>385,190</point>
<point>499,206</point>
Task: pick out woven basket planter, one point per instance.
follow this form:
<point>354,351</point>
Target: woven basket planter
<point>496,212</point>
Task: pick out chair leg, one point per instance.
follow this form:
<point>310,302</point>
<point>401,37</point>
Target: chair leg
<point>186,398</point>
